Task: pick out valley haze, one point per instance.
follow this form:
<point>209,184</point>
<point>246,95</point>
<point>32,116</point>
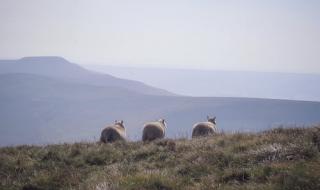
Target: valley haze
<point>215,83</point>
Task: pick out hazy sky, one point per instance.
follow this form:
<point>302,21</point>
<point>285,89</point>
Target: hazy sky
<point>265,35</point>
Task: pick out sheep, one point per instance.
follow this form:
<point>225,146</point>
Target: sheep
<point>154,130</point>
<point>113,133</point>
<point>205,128</point>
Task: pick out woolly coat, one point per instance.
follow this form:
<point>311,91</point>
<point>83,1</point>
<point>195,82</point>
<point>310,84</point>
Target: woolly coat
<point>203,129</point>
<point>113,133</point>
<point>153,130</point>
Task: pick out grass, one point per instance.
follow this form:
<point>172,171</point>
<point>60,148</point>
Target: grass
<point>275,159</point>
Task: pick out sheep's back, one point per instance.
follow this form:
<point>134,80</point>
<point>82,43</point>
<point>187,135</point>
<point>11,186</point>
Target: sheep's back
<point>203,129</point>
<point>153,131</point>
<point>111,134</point>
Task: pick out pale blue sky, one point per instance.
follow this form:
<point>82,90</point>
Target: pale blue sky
<point>269,35</point>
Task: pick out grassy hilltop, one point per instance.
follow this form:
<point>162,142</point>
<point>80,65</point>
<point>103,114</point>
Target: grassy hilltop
<point>275,159</point>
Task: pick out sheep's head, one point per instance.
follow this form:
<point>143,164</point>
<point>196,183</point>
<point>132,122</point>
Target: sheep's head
<point>163,122</point>
<point>119,123</point>
<point>211,120</point>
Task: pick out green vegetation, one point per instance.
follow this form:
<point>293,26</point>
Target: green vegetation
<point>275,159</point>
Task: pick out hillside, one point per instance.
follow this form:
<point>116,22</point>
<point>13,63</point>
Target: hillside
<point>60,68</point>
<point>215,83</point>
<point>50,100</point>
<point>285,159</point>
<point>38,109</point>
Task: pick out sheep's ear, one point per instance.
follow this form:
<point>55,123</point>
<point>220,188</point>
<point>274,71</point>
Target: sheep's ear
<point>164,123</point>
<point>121,122</point>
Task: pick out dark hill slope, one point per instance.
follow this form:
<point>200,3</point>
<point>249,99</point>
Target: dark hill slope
<point>38,109</point>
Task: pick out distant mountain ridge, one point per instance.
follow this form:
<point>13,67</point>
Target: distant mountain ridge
<point>58,67</point>
<point>211,83</point>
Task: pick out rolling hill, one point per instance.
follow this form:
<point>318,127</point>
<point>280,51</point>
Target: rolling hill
<point>47,107</point>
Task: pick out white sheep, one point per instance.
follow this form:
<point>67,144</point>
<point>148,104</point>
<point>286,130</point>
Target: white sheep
<point>113,133</point>
<point>154,130</point>
<point>205,128</point>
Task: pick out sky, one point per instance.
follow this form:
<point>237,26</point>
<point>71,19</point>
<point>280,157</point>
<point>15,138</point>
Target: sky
<point>254,35</point>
